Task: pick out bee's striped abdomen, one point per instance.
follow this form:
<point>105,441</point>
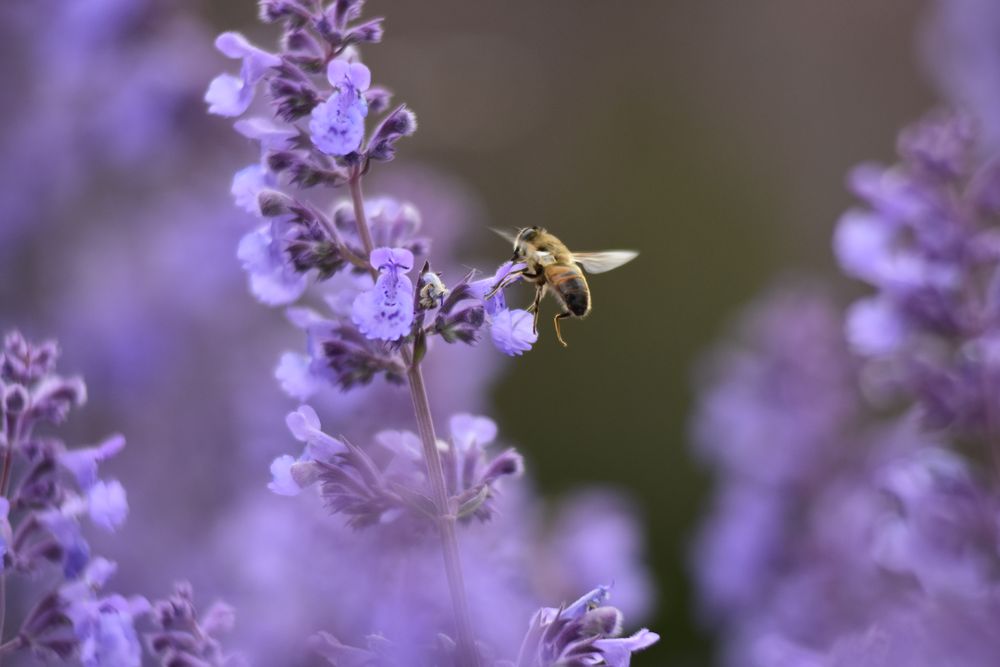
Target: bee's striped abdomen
<point>567,281</point>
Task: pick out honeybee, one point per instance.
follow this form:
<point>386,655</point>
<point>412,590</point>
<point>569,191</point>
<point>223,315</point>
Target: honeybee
<point>551,266</point>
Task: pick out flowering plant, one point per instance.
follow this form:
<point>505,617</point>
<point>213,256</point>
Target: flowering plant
<point>369,322</point>
<point>858,452</point>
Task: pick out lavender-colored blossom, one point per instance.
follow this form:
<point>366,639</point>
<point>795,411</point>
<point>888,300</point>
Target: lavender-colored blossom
<point>512,330</point>
<point>386,482</point>
<point>273,280</point>
<point>295,377</point>
<point>586,633</point>
<point>107,504</point>
<point>337,126</point>
<point>229,95</point>
<point>106,632</point>
<point>385,312</point>
<point>248,183</point>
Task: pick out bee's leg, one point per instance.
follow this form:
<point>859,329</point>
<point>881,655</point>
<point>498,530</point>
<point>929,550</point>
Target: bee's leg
<point>561,316</point>
<point>534,307</point>
<point>509,279</point>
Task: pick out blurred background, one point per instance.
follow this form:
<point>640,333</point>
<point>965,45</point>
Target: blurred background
<point>711,136</point>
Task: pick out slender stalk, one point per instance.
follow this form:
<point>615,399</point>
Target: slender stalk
<point>446,518</point>
<point>446,515</point>
<point>360,218</point>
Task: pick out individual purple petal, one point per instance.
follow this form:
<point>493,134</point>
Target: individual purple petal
<point>107,504</point>
<point>617,652</point>
<point>282,481</point>
<point>513,331</point>
<point>355,75</point>
<point>303,423</point>
<point>396,258</point>
<point>247,186</point>
<point>227,95</point>
<point>271,135</point>
<point>256,60</point>
<point>296,378</point>
<point>304,426</point>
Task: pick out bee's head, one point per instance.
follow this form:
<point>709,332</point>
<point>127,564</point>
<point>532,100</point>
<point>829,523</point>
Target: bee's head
<point>525,239</point>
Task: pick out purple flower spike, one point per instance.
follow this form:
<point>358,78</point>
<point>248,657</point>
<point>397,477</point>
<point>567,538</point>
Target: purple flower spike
<point>385,312</point>
<point>230,95</point>
<point>337,125</point>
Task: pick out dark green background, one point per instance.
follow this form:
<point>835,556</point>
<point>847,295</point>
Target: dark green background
<point>713,136</point>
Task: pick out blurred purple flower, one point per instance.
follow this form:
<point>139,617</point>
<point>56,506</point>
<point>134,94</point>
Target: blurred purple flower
<point>273,280</point>
<point>229,95</point>
<point>924,238</point>
<point>107,504</point>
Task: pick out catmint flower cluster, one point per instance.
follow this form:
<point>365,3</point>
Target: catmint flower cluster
<point>926,239</point>
<point>47,489</point>
<point>357,277</point>
<point>855,521</point>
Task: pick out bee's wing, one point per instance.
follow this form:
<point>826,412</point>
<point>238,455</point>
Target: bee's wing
<point>511,238</point>
<point>599,262</point>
